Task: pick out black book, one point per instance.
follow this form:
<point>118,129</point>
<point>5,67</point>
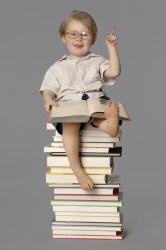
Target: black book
<point>117,151</point>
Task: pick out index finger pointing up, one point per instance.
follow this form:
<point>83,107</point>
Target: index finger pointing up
<point>113,31</point>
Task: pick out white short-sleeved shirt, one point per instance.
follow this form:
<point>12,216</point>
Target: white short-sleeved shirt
<point>69,78</point>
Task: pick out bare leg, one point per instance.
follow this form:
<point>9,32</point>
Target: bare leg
<point>71,143</point>
<point>111,124</point>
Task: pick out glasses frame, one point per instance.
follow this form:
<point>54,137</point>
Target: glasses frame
<point>79,34</point>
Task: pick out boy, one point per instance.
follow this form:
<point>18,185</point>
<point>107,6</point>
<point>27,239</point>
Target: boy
<point>81,75</point>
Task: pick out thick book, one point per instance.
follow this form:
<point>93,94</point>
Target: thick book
<point>82,110</point>
<point>117,152</point>
<point>87,214</point>
<point>79,197</point>
<point>93,133</point>
<point>87,161</point>
<point>88,209</point>
<point>87,218</point>
<point>96,136</point>
<point>87,228</point>
<point>118,203</point>
<point>113,181</point>
<point>89,224</point>
<point>68,170</point>
<point>87,237</point>
<point>89,145</point>
<point>80,191</point>
<point>81,232</point>
<point>94,139</point>
<point>50,149</point>
<point>71,178</point>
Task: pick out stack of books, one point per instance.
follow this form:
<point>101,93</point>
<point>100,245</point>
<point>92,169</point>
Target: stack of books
<point>81,214</point>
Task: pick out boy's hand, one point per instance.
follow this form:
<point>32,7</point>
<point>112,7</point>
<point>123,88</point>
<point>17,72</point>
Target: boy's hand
<point>48,105</point>
<point>111,39</point>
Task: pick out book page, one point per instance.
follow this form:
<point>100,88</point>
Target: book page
<point>95,105</point>
<point>96,108</point>
<point>70,108</point>
<point>123,115</point>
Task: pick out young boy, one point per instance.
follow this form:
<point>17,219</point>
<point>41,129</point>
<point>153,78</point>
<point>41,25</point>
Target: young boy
<point>80,75</point>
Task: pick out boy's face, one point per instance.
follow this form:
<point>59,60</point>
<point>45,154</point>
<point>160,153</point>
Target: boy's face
<point>77,39</point>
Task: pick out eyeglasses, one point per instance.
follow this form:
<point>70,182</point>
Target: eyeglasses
<point>74,34</point>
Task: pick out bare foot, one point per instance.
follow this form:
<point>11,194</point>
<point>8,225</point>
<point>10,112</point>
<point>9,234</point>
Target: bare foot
<point>112,116</point>
<point>84,180</point>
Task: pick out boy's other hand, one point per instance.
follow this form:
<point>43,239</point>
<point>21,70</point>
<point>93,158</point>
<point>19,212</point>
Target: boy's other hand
<point>49,104</point>
<point>111,39</point>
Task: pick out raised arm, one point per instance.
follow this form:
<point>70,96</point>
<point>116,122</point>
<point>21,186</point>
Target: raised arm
<point>114,69</point>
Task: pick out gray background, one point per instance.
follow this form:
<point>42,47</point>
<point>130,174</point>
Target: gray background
<point>29,44</point>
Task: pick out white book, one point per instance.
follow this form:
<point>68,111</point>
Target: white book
<point>68,170</point>
<point>90,214</point>
<point>71,178</point>
<point>89,224</point>
<point>90,203</point>
<point>117,151</point>
<point>95,139</point>
<point>114,182</point>
<point>87,161</point>
<point>88,145</point>
<point>49,149</point>
<point>85,209</point>
<point>80,191</point>
<point>93,237</point>
<point>88,218</point>
<point>79,197</point>
<point>88,228</point>
<point>94,133</point>
<point>82,232</point>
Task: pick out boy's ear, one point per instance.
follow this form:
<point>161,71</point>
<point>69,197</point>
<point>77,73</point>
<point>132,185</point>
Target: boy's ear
<point>94,39</point>
<point>63,39</point>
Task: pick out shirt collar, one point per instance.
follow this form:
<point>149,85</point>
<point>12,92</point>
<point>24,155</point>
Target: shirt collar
<point>90,54</point>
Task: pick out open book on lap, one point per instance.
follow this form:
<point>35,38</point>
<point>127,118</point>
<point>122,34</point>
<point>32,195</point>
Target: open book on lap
<point>82,110</point>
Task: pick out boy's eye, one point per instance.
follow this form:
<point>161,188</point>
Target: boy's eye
<point>84,34</point>
<point>73,34</point>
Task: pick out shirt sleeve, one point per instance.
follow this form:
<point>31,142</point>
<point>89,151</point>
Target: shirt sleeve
<point>103,66</point>
<point>49,83</point>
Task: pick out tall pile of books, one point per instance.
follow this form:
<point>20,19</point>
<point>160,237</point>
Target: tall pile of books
<point>81,214</point>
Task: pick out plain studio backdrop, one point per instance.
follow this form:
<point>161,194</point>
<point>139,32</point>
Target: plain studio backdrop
<point>29,45</point>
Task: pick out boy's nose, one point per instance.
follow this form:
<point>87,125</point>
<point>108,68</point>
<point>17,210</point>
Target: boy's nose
<point>79,36</point>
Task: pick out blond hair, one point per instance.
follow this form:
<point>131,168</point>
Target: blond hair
<point>82,17</point>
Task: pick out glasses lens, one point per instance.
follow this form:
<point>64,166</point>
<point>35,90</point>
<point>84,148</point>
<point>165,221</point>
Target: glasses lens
<point>75,34</point>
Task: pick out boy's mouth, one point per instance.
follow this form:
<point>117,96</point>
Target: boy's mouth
<point>78,45</point>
